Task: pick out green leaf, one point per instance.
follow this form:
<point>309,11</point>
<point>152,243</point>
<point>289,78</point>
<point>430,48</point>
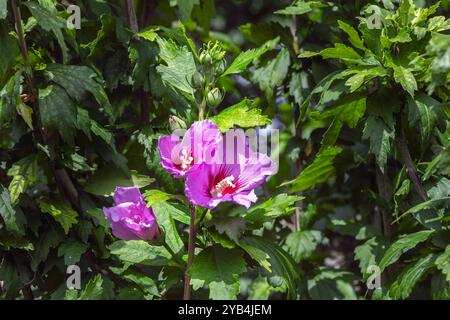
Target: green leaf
<point>219,290</point>
<point>342,52</point>
<point>405,12</point>
<point>62,213</point>
<point>156,196</point>
<point>144,282</point>
<point>78,81</point>
<point>282,264</point>
<point>364,76</point>
<point>10,52</point>
<point>245,58</point>
<point>332,134</point>
<point>402,37</point>
<point>331,284</point>
<point>48,240</point>
<point>149,34</point>
<point>58,111</point>
<point>49,21</point>
<point>93,289</point>
<point>139,251</point>
<point>349,109</point>
<point>273,73</point>
<point>72,251</point>
<point>302,7</point>
<point>424,205</point>
<point>179,69</point>
<point>404,243</point>
<point>301,244</point>
<point>321,170</point>
<point>245,114</point>
<point>379,136</point>
<point>423,114</point>
<point>10,97</point>
<point>278,206</point>
<point>3,9</point>
<point>353,35</point>
<point>405,78</point>
<point>24,173</point>
<point>14,219</point>
<point>402,287</point>
<point>165,214</point>
<point>218,266</point>
<point>233,227</point>
<point>105,181</point>
<point>185,7</point>
<point>260,289</point>
<point>99,217</point>
<point>16,187</point>
<point>258,255</point>
<point>368,254</point>
<point>440,289</point>
<point>443,263</point>
<point>440,190</point>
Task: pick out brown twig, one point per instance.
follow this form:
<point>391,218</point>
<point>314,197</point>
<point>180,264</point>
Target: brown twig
<point>293,29</point>
<point>131,16</point>
<point>27,293</point>
<point>405,155</point>
<point>383,185</point>
<point>191,252</point>
<point>148,9</point>
<point>145,108</point>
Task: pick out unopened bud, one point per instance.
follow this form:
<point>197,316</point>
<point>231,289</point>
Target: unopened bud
<point>219,67</point>
<point>198,80</point>
<point>205,58</point>
<point>176,123</point>
<point>214,98</point>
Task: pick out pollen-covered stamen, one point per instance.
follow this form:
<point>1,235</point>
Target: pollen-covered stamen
<point>186,159</point>
<point>217,191</point>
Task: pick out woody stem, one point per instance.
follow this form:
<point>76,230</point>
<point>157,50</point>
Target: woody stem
<point>191,251</point>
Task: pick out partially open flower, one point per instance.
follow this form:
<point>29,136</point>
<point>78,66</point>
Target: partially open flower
<point>130,219</point>
<point>199,143</point>
<point>207,184</point>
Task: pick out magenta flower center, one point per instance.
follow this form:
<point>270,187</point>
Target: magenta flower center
<point>137,218</point>
<point>220,188</point>
<point>185,159</point>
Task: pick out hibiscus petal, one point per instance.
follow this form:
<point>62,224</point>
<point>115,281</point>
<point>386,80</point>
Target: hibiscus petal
<point>168,148</point>
<point>127,194</point>
<point>116,213</point>
<point>201,139</point>
<point>245,199</point>
<point>119,229</point>
<point>255,171</point>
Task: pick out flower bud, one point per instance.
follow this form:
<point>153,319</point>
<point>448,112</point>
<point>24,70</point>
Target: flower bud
<point>219,67</point>
<point>214,98</point>
<point>198,80</point>
<point>205,58</point>
<point>176,123</point>
<point>219,55</point>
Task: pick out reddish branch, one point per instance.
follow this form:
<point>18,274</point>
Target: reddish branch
<point>191,252</point>
<point>383,185</point>
<point>131,15</point>
<point>405,155</point>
